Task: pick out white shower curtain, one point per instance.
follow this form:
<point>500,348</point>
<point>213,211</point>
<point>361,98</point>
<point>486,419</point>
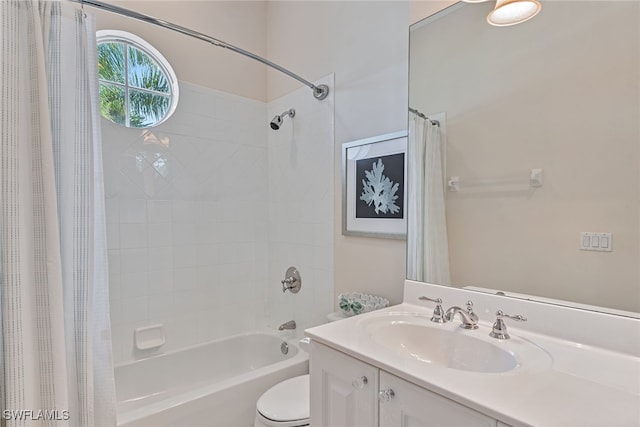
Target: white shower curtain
<point>55,364</point>
<point>427,242</point>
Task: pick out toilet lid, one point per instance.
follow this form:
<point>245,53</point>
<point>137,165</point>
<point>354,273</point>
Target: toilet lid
<point>286,401</point>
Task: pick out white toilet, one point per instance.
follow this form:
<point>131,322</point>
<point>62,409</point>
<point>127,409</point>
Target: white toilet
<point>286,404</point>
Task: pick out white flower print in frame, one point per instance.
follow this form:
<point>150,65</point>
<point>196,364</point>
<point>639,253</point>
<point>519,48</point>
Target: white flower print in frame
<point>374,176</point>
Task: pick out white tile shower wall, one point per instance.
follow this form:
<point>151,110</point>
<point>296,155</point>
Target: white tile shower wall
<point>301,207</point>
<point>187,213</point>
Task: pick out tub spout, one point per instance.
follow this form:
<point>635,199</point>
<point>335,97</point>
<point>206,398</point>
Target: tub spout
<point>291,324</point>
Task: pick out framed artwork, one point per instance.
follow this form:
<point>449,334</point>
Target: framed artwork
<point>374,178</point>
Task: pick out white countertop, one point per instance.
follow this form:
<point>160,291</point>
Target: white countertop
<point>581,385</point>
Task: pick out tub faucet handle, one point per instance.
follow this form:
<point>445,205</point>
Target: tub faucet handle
<point>292,281</point>
<point>288,283</point>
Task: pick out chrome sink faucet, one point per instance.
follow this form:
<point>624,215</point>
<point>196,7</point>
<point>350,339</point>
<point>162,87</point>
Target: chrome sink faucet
<point>468,317</point>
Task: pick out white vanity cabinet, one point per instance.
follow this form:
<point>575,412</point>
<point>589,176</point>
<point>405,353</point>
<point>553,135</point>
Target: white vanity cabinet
<point>341,397</point>
<point>344,390</point>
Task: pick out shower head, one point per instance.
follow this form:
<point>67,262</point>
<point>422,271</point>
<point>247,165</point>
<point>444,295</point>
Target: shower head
<point>277,120</point>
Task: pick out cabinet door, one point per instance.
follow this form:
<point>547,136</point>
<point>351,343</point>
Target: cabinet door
<point>412,406</point>
<point>343,390</point>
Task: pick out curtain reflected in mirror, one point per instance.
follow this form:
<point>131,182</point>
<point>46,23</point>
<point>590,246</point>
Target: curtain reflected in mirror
<point>428,246</point>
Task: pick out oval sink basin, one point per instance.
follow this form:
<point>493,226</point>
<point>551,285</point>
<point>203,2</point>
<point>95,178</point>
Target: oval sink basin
<point>449,346</point>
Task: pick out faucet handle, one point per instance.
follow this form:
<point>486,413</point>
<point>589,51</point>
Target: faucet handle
<point>520,318</point>
<point>438,312</point>
<point>469,306</point>
<point>472,315</point>
<point>292,281</point>
<point>499,329</point>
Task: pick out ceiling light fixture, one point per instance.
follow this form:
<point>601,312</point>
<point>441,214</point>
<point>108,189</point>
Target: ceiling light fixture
<point>512,12</point>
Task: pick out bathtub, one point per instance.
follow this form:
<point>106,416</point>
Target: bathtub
<point>213,384</point>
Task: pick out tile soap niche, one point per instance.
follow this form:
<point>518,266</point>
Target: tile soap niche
<point>149,337</point>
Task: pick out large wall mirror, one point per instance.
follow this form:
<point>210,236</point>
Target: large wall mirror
<point>556,97</point>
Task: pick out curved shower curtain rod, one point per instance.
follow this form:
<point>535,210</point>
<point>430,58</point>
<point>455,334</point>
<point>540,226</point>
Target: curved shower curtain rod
<point>419,114</point>
<point>320,92</point>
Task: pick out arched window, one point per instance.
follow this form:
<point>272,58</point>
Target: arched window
<point>138,87</point>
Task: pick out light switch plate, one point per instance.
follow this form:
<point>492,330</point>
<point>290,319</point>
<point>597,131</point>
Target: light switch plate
<point>595,241</point>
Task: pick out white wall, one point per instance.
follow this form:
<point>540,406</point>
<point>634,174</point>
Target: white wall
<point>366,45</point>
<point>188,238</point>
<point>418,10</point>
<point>241,23</point>
<point>201,242</point>
<point>301,208</point>
<point>201,245</point>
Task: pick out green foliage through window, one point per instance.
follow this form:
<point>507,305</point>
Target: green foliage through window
<point>134,89</point>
